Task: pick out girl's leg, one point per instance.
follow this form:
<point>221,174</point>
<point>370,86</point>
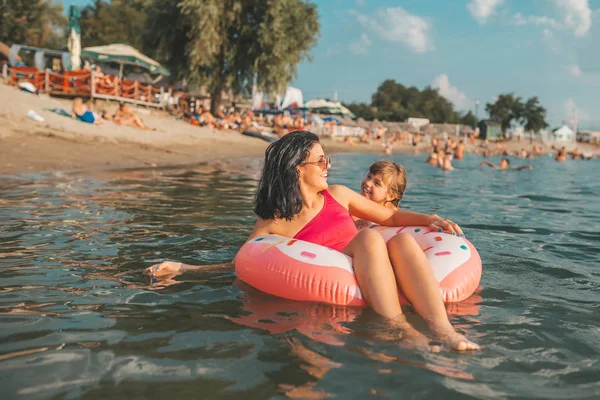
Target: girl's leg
<point>377,283</point>
<point>415,278</point>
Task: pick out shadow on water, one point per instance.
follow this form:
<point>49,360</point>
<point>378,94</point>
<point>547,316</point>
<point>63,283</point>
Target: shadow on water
<point>79,318</point>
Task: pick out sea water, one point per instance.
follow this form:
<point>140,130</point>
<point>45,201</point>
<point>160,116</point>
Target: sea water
<point>79,318</point>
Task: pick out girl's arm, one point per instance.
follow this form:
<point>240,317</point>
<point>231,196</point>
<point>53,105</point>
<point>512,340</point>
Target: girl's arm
<point>481,164</point>
<point>364,208</point>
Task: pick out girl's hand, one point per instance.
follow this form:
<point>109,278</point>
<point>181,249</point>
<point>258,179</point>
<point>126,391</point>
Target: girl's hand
<point>164,270</point>
<point>440,224</point>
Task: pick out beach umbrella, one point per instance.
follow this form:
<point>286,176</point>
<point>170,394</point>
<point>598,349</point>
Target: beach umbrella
<point>74,40</point>
<point>123,54</point>
<point>348,121</point>
<point>376,124</point>
<point>362,123</point>
<point>332,118</point>
<point>327,107</point>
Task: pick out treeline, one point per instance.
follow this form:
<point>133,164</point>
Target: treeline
<point>395,102</point>
<point>38,23</point>
<point>220,44</point>
<point>510,110</point>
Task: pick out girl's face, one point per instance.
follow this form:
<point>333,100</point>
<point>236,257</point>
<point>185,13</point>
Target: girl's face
<point>373,187</point>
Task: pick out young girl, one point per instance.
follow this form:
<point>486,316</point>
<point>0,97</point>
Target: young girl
<point>384,184</point>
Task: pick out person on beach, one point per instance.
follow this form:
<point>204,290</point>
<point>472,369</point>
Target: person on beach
<point>294,200</point>
<point>84,114</point>
<point>125,116</point>
<point>504,165</point>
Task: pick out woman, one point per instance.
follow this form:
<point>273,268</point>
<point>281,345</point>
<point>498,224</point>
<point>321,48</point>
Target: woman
<point>294,200</point>
<point>84,114</point>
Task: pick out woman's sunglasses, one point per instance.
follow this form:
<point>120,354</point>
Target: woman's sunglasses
<point>324,163</point>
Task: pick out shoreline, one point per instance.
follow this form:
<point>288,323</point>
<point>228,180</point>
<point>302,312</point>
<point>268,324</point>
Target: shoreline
<point>47,152</point>
<point>62,144</point>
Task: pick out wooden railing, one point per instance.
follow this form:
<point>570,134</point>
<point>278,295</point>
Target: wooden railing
<point>87,84</point>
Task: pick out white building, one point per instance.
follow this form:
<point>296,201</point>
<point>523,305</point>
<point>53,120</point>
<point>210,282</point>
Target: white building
<point>418,122</point>
<point>564,134</point>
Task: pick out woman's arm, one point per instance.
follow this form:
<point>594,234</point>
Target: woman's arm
<point>170,269</point>
<point>364,208</point>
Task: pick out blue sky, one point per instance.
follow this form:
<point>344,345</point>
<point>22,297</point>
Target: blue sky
<point>472,50</point>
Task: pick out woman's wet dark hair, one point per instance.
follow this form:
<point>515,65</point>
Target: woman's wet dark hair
<point>278,194</point>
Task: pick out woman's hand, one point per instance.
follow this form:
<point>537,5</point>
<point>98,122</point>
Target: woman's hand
<point>440,224</point>
<point>164,270</point>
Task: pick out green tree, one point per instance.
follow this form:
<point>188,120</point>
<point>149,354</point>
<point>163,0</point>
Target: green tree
<point>38,23</point>
<point>534,115</point>
<point>395,102</point>
<point>233,44</point>
<point>469,119</point>
<point>507,109</point>
<point>362,110</point>
<point>166,36</point>
<point>118,21</point>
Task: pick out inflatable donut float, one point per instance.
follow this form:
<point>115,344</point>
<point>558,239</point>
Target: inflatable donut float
<point>299,270</point>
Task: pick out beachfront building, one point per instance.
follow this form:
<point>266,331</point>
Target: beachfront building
<point>564,134</point>
<point>588,137</point>
<point>417,122</point>
<point>490,130</point>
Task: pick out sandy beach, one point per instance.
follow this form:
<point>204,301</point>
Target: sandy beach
<point>63,144</point>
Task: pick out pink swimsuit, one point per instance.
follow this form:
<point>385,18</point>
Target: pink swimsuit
<point>332,227</point>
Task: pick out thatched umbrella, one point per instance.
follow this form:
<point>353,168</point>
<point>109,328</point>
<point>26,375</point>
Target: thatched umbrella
<point>362,123</point>
<point>376,124</point>
<point>388,124</point>
<point>348,121</point>
<point>467,130</point>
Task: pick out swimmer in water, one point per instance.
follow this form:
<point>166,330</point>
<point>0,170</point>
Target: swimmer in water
<point>504,165</point>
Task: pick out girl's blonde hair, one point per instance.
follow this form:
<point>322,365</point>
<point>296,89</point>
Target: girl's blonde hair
<point>394,176</point>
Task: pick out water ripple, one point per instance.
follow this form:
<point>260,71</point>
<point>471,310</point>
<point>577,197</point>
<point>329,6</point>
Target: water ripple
<point>79,318</point>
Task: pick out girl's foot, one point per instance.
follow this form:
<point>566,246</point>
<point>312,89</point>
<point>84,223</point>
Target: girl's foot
<point>455,340</point>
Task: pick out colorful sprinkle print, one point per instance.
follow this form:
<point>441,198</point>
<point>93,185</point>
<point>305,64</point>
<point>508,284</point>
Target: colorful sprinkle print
<point>258,239</point>
<point>308,254</point>
<point>427,249</point>
<point>443,253</point>
<point>401,229</point>
<point>438,239</point>
<point>416,230</point>
<point>462,246</point>
<point>269,247</point>
<point>291,242</point>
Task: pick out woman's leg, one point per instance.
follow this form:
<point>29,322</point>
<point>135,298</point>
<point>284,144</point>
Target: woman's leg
<point>374,273</point>
<point>415,278</point>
